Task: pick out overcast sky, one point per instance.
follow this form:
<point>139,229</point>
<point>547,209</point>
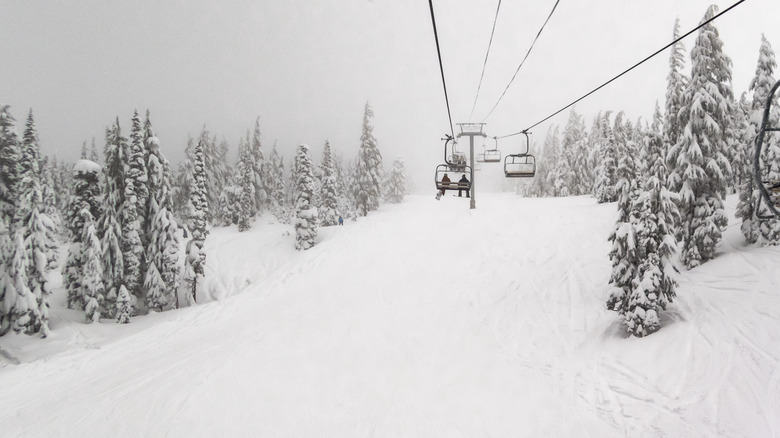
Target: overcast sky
<point>307,67</point>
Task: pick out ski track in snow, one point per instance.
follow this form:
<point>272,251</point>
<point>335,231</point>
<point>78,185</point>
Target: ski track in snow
<point>423,319</point>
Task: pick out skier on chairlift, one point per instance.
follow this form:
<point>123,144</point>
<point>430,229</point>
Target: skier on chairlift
<point>463,184</point>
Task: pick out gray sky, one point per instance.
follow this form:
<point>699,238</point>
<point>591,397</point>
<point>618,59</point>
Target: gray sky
<point>307,67</point>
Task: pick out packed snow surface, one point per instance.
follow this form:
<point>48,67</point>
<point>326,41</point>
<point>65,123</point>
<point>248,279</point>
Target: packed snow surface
<point>423,319</point>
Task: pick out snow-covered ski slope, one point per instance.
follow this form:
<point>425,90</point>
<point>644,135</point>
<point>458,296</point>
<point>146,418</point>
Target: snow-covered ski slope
<point>422,319</point>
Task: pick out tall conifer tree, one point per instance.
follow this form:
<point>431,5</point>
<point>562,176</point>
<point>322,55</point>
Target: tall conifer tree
<point>700,162</point>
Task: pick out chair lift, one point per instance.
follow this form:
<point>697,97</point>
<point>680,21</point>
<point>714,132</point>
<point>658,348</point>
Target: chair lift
<point>454,163</point>
<point>522,165</point>
<point>769,188</point>
<point>490,155</point>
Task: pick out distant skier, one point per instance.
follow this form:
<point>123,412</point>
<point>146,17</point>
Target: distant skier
<point>341,220</point>
<point>463,184</point>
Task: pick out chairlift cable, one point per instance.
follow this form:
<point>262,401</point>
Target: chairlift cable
<point>524,58</point>
<point>625,71</point>
<point>441,67</point>
<point>484,64</point>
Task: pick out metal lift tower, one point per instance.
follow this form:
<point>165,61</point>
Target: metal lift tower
<point>472,130</point>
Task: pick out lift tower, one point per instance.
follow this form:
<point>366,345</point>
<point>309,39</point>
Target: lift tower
<point>472,130</point>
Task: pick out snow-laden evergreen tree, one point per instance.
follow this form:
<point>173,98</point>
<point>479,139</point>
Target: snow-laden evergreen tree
<point>261,195</point>
<point>85,192</point>
<point>183,182</point>
<point>110,223</point>
<point>9,164</point>
<point>757,222</point>
<point>134,210</point>
<point>623,255</point>
<point>606,171</point>
<point>92,274</point>
<point>700,162</point>
<point>162,277</point>
<point>247,200</point>
<point>740,144</point>
<point>575,148</point>
<point>216,170</point>
<point>38,230</point>
<point>305,211</point>
<point>276,184</point>
<point>6,253</point>
<point>345,206</point>
<point>396,184</point>
<point>20,311</point>
<point>49,194</point>
<point>654,284</point>
<point>94,155</point>
<point>328,200</point>
<point>368,173</point>
<point>198,212</point>
<point>676,82</point>
<point>162,272</point>
<point>562,175</point>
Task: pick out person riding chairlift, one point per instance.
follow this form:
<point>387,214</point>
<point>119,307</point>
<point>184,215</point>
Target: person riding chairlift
<point>463,184</point>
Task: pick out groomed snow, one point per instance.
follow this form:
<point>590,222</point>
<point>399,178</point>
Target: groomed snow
<point>422,319</point>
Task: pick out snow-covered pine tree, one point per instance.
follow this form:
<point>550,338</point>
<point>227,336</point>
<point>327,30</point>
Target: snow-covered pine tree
<point>605,180</point>
<point>654,284</point>
<point>85,192</point>
<point>396,184</point>
<point>20,309</point>
<point>247,200</point>
<point>110,223</point>
<point>276,184</point>
<point>328,200</point>
<point>38,230</point>
<point>9,164</point>
<point>216,171</point>
<point>562,174</point>
<point>765,231</point>
<point>740,144</point>
<point>198,212</point>
<point>6,253</point>
<point>134,210</point>
<point>369,168</point>
<point>162,275</point>
<point>305,211</point>
<point>92,274</point>
<point>183,181</point>
<point>94,155</point>
<point>261,195</point>
<point>700,162</point>
<point>623,255</point>
<point>345,206</point>
<point>575,147</point>
<point>49,194</point>
<point>676,82</point>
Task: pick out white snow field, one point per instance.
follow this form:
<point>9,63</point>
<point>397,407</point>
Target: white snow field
<point>423,319</point>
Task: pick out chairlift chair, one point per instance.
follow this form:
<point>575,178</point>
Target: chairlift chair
<point>455,164</point>
<point>522,165</point>
<point>490,155</point>
<point>769,188</point>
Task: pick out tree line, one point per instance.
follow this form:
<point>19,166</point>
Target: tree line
<point>123,215</point>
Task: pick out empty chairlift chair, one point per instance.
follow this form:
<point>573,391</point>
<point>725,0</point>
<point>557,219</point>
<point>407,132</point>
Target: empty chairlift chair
<point>522,165</point>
